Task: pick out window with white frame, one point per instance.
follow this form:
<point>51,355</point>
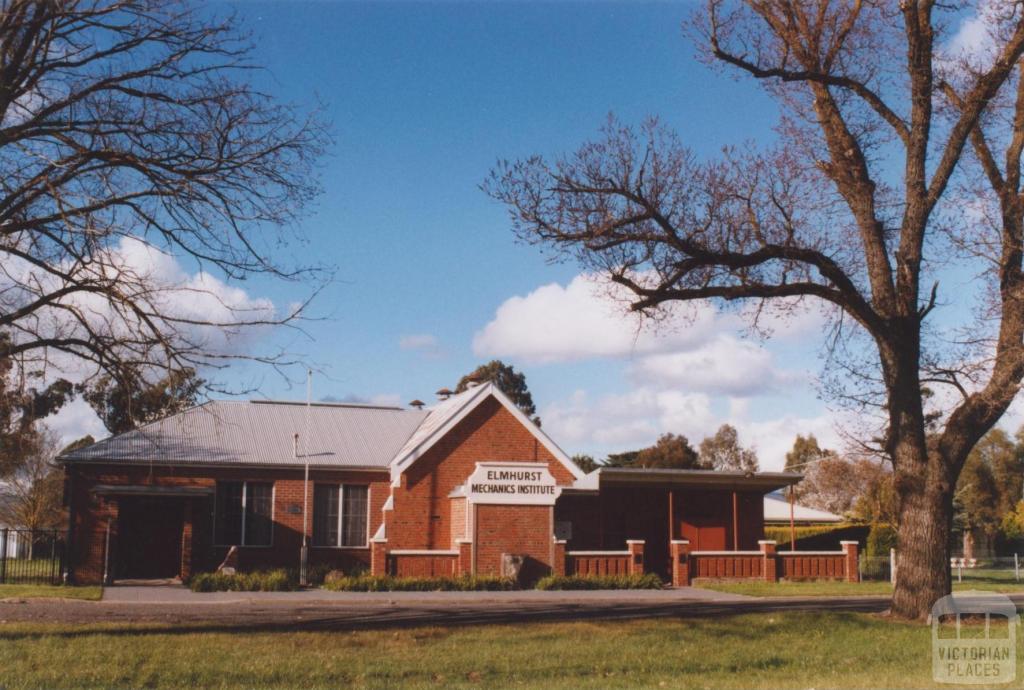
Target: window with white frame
<point>243,513</point>
<point>340,514</point>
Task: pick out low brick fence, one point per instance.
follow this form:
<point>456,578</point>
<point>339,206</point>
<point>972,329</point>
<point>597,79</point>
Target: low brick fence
<point>727,564</point>
<point>766,564</point>
<point>415,563</point>
<point>813,565</point>
<point>628,562</point>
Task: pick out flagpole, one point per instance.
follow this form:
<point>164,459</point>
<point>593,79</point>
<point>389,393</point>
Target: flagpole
<point>303,566</point>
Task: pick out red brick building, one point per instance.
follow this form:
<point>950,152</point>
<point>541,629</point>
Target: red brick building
<point>442,491</point>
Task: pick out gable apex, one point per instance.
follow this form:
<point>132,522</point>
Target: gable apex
<point>447,415</point>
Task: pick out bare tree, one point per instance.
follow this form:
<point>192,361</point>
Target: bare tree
<point>860,206</point>
<point>723,451</point>
<point>128,126</point>
<point>31,497</point>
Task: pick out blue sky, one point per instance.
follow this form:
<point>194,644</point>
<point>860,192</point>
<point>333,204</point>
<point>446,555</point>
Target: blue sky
<point>424,98</point>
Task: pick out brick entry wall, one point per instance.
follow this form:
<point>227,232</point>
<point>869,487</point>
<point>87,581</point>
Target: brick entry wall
<point>514,529</point>
<point>422,517</point>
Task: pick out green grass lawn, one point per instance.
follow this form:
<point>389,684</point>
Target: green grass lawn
<point>42,591</point>
<point>835,650</point>
<point>990,582</point>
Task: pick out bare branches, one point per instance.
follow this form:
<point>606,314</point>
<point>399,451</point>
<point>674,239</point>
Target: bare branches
<point>129,131</point>
<point>637,204</point>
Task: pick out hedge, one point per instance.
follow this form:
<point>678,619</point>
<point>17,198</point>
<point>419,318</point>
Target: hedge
<point>257,581</point>
<point>562,582</point>
<point>390,583</point>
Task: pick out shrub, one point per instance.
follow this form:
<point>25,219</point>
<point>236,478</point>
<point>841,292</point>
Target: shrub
<point>564,582</point>
<point>257,581</point>
<point>315,574</point>
<point>881,538</point>
<point>389,583</point>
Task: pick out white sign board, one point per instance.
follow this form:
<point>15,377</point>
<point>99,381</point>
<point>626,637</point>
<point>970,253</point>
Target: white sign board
<point>512,483</point>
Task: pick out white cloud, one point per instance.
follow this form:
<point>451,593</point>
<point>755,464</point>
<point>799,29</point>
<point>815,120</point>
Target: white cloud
<point>193,298</point>
<point>585,319</point>
<point>774,438</point>
<point>979,35</point>
<point>677,372</point>
<point>588,318</point>
<point>726,365</point>
<point>198,296</point>
<point>628,420</point>
<point>418,341</point>
<point>75,420</point>
<point>386,399</point>
<point>636,418</point>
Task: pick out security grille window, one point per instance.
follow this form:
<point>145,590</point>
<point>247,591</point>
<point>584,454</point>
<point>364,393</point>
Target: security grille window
<point>244,513</point>
<point>340,515</point>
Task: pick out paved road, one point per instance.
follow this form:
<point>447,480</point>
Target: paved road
<point>426,610</point>
<point>312,615</point>
<point>178,594</point>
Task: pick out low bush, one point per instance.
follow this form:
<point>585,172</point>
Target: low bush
<point>562,582</point>
<point>256,581</point>
<point>389,583</point>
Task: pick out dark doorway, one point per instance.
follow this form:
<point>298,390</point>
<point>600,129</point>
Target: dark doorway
<point>149,533</point>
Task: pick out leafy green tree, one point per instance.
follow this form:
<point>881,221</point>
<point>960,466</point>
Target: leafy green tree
<point>724,452</point>
<point>509,381</point>
<point>22,405</point>
<point>989,487</point>
<point>129,401</point>
<point>877,500</point>
<point>624,459</point>
<point>804,452</point>
<point>671,451</point>
<point>585,462</point>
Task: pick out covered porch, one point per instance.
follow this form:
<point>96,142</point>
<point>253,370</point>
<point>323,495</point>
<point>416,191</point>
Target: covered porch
<point>154,531</point>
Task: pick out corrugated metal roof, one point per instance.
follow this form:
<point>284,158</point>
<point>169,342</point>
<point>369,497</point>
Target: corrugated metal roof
<point>776,509</point>
<point>440,414</point>
<point>233,432</point>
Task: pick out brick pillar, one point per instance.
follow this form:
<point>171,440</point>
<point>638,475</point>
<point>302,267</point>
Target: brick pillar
<point>465,564</point>
<point>558,558</point>
<point>186,541</point>
<point>770,561</point>
<point>636,556</point>
<point>680,551</point>
<point>379,557</point>
<point>850,560</point>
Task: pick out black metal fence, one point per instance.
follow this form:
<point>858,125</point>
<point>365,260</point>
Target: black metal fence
<point>31,557</point>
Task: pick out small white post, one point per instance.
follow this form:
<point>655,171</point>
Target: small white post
<point>960,570</point>
<point>892,566</point>
<point>106,557</point>
<point>1016,567</point>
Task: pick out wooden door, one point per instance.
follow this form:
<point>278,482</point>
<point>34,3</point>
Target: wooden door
<point>149,537</point>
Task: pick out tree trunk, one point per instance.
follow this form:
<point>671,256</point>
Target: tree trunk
<point>922,549</point>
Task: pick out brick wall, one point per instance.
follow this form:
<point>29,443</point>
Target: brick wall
<point>422,515</point>
<point>513,529</point>
<point>93,512</point>
<point>458,520</point>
